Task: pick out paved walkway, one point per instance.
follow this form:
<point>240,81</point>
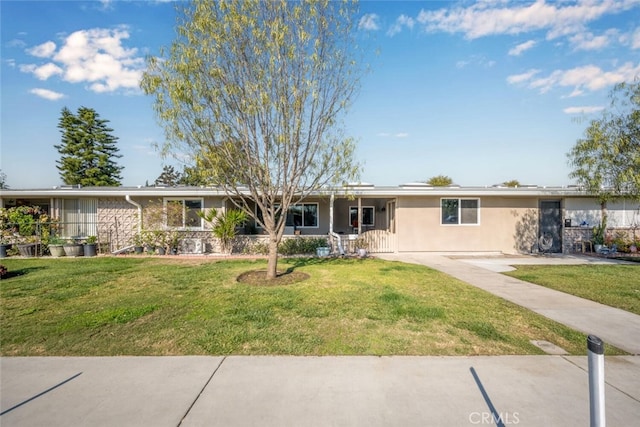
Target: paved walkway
<point>612,325</point>
<point>312,391</point>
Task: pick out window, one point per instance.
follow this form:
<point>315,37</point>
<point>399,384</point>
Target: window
<point>367,216</point>
<point>79,217</point>
<point>183,213</point>
<point>300,216</point>
<point>459,211</point>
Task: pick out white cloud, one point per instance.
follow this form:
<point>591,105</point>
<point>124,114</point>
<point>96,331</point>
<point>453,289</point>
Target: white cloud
<point>16,43</point>
<point>96,56</point>
<point>588,77</point>
<point>42,72</point>
<point>401,22</point>
<point>635,39</point>
<point>44,50</point>
<point>47,94</point>
<point>517,51</point>
<point>582,110</point>
<point>369,22</point>
<point>587,41</point>
<point>521,78</point>
<point>478,60</point>
<point>492,18</point>
<point>393,135</point>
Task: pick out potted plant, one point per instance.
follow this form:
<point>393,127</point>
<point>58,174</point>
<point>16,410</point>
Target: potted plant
<point>148,240</point>
<point>361,247</point>
<point>160,241</point>
<point>56,247</point>
<point>173,241</point>
<point>28,246</point>
<point>23,222</point>
<point>6,239</point>
<point>90,245</point>
<point>598,237</point>
<point>138,243</point>
<point>73,248</point>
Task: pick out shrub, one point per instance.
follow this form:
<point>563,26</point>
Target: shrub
<point>257,247</point>
<point>301,245</point>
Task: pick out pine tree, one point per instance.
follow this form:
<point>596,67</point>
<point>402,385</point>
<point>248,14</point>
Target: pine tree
<point>169,176</point>
<point>87,150</point>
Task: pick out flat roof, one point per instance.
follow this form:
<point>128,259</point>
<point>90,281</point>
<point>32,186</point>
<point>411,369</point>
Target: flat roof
<point>363,190</point>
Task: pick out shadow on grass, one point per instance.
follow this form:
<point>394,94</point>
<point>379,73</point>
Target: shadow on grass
<point>311,260</point>
<point>21,272</point>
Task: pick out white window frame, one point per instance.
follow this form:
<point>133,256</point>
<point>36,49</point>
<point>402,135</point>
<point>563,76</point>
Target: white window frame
<point>373,215</point>
<point>184,212</point>
<point>316,204</point>
<point>458,223</point>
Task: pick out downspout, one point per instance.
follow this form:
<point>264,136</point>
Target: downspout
<point>331,232</point>
<point>127,248</point>
<point>128,199</point>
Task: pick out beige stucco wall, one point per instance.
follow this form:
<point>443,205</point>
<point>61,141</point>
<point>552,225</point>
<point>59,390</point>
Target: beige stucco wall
<point>508,225</point>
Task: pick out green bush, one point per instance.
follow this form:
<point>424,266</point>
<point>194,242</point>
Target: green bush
<point>256,248</point>
<point>301,245</point>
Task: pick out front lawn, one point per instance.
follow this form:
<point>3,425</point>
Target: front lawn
<point>156,306</point>
<point>614,285</point>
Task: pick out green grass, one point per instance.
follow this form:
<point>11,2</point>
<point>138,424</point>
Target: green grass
<point>155,306</point>
<point>613,285</point>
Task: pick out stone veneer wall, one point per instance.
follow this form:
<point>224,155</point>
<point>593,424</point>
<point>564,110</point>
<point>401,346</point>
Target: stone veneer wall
<point>572,235</point>
<point>117,222</point>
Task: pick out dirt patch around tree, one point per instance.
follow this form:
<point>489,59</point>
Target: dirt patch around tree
<point>259,278</point>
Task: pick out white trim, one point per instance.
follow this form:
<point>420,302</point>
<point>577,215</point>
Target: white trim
<point>373,215</point>
<point>184,216</point>
<point>459,224</point>
<point>296,204</point>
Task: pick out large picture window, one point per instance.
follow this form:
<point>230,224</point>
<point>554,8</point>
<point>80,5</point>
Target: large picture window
<point>460,211</point>
<point>303,215</point>
<point>367,216</point>
<point>183,213</point>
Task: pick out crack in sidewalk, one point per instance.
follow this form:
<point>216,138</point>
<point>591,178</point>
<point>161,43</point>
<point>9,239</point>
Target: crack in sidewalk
<point>613,386</point>
<point>202,391</point>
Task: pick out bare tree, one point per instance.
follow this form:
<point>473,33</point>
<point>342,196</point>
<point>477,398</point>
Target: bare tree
<point>255,92</point>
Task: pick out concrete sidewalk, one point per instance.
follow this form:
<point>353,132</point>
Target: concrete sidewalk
<point>312,391</point>
<point>612,325</point>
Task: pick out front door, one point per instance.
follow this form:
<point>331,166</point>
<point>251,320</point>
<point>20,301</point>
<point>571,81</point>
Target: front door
<point>550,230</point>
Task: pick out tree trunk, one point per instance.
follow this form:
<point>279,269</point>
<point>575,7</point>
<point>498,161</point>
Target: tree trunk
<point>604,214</point>
<point>272,264</point>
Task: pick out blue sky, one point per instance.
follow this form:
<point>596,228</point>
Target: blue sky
<point>483,92</point>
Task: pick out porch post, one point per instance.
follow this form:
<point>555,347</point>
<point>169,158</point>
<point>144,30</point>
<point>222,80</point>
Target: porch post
<point>331,200</point>
<point>359,215</point>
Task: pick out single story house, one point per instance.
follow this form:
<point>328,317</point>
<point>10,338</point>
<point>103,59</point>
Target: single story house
<point>406,218</point>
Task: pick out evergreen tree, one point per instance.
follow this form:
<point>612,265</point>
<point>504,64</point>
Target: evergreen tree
<point>3,180</point>
<point>87,150</point>
<point>169,176</point>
